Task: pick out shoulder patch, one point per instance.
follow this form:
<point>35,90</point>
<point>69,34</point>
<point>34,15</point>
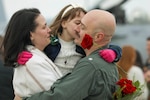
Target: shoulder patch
<point>90,58</point>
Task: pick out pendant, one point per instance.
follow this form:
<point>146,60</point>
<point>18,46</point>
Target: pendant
<point>65,62</point>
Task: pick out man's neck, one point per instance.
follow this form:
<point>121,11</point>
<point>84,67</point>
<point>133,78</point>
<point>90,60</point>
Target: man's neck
<point>94,48</point>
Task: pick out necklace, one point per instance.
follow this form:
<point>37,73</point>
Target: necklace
<point>67,51</point>
<point>67,58</point>
<point>65,62</point>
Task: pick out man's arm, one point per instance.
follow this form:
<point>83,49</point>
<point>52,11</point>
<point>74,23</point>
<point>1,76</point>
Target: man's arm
<point>74,86</point>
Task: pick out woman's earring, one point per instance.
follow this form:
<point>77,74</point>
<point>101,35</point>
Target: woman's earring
<point>32,39</point>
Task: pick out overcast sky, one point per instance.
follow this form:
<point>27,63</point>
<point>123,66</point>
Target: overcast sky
<point>50,8</point>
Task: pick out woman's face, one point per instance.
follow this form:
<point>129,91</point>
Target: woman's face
<point>71,26</point>
<point>148,47</point>
<point>41,36</point>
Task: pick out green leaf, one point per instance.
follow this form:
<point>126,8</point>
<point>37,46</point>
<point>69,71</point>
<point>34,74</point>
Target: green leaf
<point>136,84</point>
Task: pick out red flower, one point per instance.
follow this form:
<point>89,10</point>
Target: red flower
<point>124,81</point>
<point>129,88</point>
<point>87,42</point>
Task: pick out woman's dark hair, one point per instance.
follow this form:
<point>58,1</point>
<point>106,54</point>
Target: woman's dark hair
<point>17,35</point>
<point>64,16</point>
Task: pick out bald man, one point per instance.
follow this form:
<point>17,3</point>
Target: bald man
<point>92,77</point>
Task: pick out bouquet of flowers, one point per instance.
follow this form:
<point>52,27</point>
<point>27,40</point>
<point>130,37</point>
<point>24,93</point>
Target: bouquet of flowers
<point>128,89</point>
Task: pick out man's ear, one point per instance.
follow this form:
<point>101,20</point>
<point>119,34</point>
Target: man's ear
<point>99,37</point>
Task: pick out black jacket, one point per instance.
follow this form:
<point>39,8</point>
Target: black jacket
<point>6,87</point>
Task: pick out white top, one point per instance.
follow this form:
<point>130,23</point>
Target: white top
<point>67,57</point>
<point>37,75</point>
<point>137,73</point>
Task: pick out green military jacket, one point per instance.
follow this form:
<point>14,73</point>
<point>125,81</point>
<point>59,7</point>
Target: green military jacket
<point>92,79</point>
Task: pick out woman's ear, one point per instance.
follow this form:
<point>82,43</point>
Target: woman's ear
<point>63,24</point>
<point>31,36</point>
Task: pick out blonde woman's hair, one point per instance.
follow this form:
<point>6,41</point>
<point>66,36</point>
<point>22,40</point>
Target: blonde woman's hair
<point>127,59</point>
<point>67,13</point>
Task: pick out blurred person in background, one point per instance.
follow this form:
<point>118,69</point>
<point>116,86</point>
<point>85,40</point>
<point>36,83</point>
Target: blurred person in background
<point>147,64</point>
<point>128,69</point>
<point>6,76</point>
<point>138,60</point>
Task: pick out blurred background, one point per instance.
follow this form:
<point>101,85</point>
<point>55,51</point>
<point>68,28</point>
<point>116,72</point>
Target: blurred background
<point>133,17</point>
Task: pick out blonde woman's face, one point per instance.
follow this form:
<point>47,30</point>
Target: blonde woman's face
<point>72,26</point>
<point>148,47</point>
<point>41,36</point>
